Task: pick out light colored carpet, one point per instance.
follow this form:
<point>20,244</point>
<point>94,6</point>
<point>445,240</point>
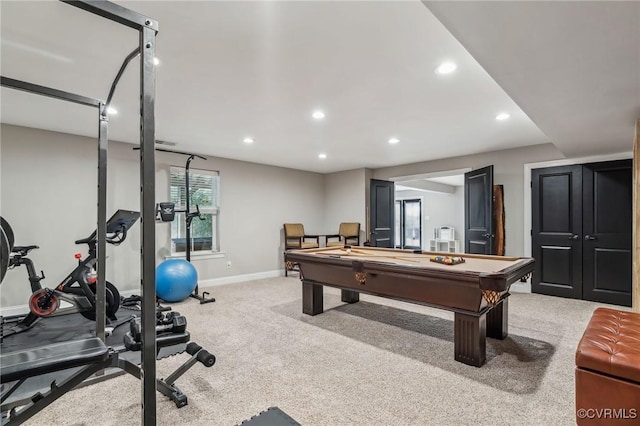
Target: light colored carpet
<point>377,362</point>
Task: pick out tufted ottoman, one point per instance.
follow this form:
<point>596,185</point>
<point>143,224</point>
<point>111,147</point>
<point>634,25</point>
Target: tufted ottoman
<point>608,370</point>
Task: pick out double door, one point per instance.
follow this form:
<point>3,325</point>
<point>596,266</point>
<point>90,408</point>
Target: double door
<point>582,231</point>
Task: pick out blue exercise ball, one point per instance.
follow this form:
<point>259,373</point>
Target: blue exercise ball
<point>175,280</point>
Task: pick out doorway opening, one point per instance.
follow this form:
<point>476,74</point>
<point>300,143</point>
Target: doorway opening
<point>408,223</point>
<point>441,196</point>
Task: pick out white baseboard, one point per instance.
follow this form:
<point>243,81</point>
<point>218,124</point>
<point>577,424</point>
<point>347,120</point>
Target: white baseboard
<point>24,309</point>
<point>241,278</point>
<point>519,287</point>
<point>14,310</point>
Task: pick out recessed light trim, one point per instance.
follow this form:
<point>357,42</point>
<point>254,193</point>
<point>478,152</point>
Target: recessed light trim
<point>394,141</point>
<point>248,140</point>
<point>318,115</point>
<point>445,68</point>
<point>502,116</point>
<point>322,156</point>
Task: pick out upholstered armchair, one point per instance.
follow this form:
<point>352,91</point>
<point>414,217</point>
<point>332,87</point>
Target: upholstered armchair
<point>295,238</point>
<point>348,234</point>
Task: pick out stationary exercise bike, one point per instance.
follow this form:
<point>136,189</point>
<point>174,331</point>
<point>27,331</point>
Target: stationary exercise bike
<point>78,288</point>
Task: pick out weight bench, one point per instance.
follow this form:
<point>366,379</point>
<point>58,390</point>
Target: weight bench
<point>167,386</point>
<point>91,354</point>
<point>608,369</point>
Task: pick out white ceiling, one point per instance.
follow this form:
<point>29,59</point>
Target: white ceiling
<point>572,66</point>
<point>235,69</point>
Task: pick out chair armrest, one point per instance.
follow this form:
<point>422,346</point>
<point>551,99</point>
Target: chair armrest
<point>293,241</point>
<point>313,237</point>
<point>355,239</point>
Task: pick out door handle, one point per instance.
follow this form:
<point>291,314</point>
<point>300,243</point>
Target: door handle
<point>590,238</point>
<point>487,236</point>
<point>575,237</point>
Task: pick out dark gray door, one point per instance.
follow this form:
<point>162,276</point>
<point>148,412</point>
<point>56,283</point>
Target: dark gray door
<point>381,213</point>
<point>607,227</point>
<point>478,215</point>
<point>556,233</point>
<point>581,231</point>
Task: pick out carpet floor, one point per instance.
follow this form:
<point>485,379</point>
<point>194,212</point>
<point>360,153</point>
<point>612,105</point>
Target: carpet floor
<point>376,362</point>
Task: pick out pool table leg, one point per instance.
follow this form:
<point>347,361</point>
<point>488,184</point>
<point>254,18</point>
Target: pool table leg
<point>497,325</point>
<point>349,296</point>
<point>312,298</point>
<point>470,339</point>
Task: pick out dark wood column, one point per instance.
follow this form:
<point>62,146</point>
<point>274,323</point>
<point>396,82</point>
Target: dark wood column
<point>470,335</point>
<point>349,296</point>
<point>497,320</point>
<point>312,298</point>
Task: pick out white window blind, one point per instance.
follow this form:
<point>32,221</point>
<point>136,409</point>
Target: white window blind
<point>204,191</point>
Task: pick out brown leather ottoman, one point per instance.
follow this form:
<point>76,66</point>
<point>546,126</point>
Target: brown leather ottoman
<point>608,370</point>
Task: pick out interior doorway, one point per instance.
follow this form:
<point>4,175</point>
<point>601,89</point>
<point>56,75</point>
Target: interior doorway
<point>408,223</point>
<point>442,206</point>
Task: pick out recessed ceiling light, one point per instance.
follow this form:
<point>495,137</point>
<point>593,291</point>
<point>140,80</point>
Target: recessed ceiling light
<point>247,140</point>
<point>318,115</point>
<point>156,61</point>
<point>394,140</point>
<point>502,116</point>
<point>446,68</point>
<point>322,156</point>
<point>112,111</point>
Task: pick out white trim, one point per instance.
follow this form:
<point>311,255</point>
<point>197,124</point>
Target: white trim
<point>14,310</point>
<point>563,162</point>
<point>519,287</point>
<point>241,278</point>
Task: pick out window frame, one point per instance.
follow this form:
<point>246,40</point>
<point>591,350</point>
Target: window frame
<point>213,210</point>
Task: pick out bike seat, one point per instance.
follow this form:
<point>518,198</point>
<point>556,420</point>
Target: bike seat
<point>23,250</point>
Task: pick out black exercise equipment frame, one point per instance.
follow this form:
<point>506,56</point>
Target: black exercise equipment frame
<point>91,356</point>
<point>147,29</point>
<point>189,216</point>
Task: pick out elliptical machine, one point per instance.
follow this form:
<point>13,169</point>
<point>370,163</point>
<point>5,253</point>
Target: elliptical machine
<point>78,288</point>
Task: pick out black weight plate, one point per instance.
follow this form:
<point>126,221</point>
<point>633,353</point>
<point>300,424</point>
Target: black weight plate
<point>4,255</point>
<point>8,231</point>
<point>6,244</point>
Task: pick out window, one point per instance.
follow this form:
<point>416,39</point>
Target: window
<point>205,193</point>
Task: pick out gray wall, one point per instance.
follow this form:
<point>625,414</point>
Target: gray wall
<point>508,171</point>
<point>345,200</point>
<point>48,194</point>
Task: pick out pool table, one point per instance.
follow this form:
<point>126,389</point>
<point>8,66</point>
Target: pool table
<point>475,290</point>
